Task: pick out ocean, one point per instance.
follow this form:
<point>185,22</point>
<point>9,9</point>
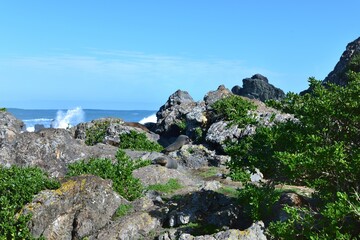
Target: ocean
<point>64,118</point>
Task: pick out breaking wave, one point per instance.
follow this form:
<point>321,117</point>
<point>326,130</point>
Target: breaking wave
<point>69,118</point>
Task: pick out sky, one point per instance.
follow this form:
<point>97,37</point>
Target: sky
<point>132,55</point>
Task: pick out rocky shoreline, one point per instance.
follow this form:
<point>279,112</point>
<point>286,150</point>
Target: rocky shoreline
<point>84,206</point>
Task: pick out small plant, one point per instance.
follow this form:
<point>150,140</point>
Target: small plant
<point>2,109</point>
<point>96,133</point>
<point>171,186</point>
<point>18,186</point>
<point>235,109</point>
<point>199,134</point>
<point>120,173</point>
<point>228,191</point>
<point>182,126</point>
<point>258,201</point>
<point>123,210</point>
<point>138,141</point>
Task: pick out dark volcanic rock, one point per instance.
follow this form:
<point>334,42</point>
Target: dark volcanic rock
<point>258,87</point>
<point>173,113</point>
<point>338,75</point>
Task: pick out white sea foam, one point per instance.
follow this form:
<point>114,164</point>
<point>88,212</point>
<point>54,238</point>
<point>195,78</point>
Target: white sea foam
<point>69,118</point>
<point>149,119</point>
<point>30,129</point>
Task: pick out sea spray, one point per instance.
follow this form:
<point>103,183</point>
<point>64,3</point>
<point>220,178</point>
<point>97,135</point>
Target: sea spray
<point>149,119</point>
<point>69,118</point>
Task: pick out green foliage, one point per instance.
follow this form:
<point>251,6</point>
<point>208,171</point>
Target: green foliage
<point>182,126</point>
<point>138,141</point>
<point>2,109</point>
<point>337,220</point>
<point>123,210</point>
<point>96,133</point>
<point>171,186</point>
<point>18,186</point>
<point>235,109</point>
<point>258,201</point>
<point>319,150</point>
<point>354,64</point>
<point>120,173</point>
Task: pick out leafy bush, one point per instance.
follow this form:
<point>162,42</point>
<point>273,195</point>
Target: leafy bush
<point>2,109</point>
<point>120,173</point>
<point>169,187</point>
<point>235,109</point>
<point>320,150</point>
<point>258,201</point>
<point>96,133</point>
<point>337,220</point>
<point>138,141</point>
<point>18,186</point>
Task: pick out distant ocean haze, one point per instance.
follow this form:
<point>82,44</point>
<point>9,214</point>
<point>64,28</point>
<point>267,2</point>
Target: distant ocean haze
<point>71,117</point>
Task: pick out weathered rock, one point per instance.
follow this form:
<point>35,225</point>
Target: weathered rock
<point>79,208</point>
<point>205,207</point>
<point>213,96</point>
<point>220,131</point>
<point>258,87</point>
<point>115,128</point>
<point>135,226</point>
<point>338,75</point>
<point>196,156</point>
<point>173,112</point>
<point>155,174</point>
<point>52,150</point>
<point>10,128</point>
<point>256,231</point>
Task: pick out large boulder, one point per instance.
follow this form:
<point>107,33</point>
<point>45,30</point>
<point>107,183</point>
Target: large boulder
<point>80,207</point>
<point>338,75</point>
<point>213,96</point>
<point>172,115</point>
<point>10,128</point>
<point>51,150</point>
<point>258,87</point>
<point>114,128</point>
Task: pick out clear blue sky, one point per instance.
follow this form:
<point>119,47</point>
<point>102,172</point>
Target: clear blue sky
<point>114,54</point>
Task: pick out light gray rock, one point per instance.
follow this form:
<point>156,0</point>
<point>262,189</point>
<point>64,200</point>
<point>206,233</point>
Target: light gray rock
<point>79,208</point>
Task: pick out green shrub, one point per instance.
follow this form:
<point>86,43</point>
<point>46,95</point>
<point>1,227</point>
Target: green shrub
<point>120,173</point>
<point>258,201</point>
<point>138,141</point>
<point>319,150</point>
<point>18,186</point>
<point>234,109</point>
<point>2,109</point>
<point>337,220</point>
<point>96,133</point>
<point>171,186</point>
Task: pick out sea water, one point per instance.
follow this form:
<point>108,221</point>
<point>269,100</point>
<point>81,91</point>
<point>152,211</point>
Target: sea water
<point>71,117</point>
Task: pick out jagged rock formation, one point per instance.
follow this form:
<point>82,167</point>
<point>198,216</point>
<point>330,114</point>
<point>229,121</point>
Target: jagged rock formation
<point>258,87</point>
<point>338,75</point>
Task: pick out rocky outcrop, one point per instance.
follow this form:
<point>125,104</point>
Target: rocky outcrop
<point>115,127</point>
<point>256,231</point>
<point>80,207</point>
<point>338,75</point>
<point>52,150</point>
<point>212,96</point>
<point>258,87</point>
<point>171,116</point>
